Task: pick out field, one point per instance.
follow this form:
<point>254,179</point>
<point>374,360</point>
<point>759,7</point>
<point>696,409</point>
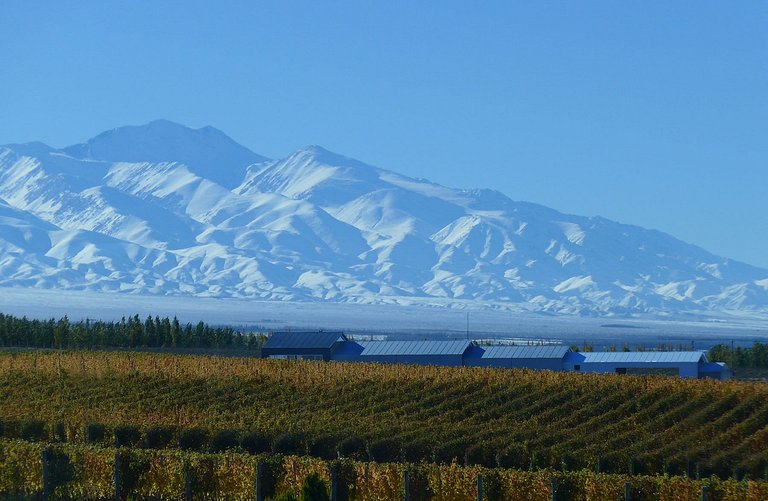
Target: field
<point>98,473</point>
<point>508,418</point>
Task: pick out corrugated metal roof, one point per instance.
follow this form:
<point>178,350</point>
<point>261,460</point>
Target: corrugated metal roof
<point>296,340</point>
<point>395,348</point>
<point>549,351</point>
<point>348,348</point>
<point>643,356</point>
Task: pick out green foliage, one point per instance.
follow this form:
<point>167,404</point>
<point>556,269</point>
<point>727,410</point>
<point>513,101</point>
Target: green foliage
<point>60,469</point>
<point>127,436</point>
<point>203,474</point>
<point>272,471</point>
<point>33,430</point>
<point>59,432</point>
<point>325,447</point>
<point>506,418</point>
<point>132,467</point>
<point>493,488</point>
<point>513,456</point>
<point>290,443</point>
<point>481,455</point>
<point>193,439</point>
<point>84,472</point>
<point>158,437</point>
<point>94,433</point>
<point>418,483</point>
<point>130,332</point>
<point>225,440</point>
<point>415,449</point>
<point>386,450</point>
<point>255,442</point>
<point>284,496</point>
<point>314,489</point>
<point>353,448</point>
<point>756,356</point>
<point>346,478</point>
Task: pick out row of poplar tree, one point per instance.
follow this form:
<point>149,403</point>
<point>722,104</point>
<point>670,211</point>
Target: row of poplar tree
<point>754,356</point>
<point>130,332</point>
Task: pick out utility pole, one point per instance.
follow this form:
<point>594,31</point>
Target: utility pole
<point>467,326</point>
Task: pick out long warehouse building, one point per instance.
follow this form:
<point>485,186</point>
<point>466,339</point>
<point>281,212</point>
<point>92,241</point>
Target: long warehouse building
<point>335,346</point>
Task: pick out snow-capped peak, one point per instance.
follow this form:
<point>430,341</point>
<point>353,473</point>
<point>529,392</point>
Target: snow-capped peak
<point>206,151</point>
<point>162,208</point>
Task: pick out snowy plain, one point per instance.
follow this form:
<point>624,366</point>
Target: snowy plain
<point>417,321</point>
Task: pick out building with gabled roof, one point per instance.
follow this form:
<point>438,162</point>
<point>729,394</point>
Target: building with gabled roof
<point>449,353</point>
<point>303,345</point>
<point>548,357</point>
<point>335,346</point>
<point>685,364</point>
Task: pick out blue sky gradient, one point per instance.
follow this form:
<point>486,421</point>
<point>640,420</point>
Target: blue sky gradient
<point>652,113</point>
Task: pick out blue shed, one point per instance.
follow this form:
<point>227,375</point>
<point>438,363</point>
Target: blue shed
<point>319,345</point>
<point>449,353</point>
<point>682,363</point>
<point>348,351</point>
<point>549,357</point>
<point>714,370</point>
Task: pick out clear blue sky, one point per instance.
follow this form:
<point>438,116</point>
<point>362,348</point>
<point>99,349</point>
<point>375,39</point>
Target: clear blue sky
<point>652,113</point>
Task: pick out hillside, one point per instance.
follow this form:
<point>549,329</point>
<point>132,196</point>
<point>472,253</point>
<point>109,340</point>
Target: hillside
<point>511,418</point>
<point>168,210</point>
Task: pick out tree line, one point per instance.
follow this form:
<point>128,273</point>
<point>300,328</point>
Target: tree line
<point>755,356</point>
<point>130,332</point>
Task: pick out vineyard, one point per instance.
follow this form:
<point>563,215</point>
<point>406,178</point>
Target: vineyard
<point>519,419</point>
<point>89,472</point>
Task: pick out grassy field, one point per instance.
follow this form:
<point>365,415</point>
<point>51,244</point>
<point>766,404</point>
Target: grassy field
<point>509,418</point>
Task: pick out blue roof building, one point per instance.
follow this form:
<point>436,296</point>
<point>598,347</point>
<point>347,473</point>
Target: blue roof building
<point>335,346</point>
<point>449,353</point>
<point>683,363</point>
<point>549,357</point>
<point>303,345</point>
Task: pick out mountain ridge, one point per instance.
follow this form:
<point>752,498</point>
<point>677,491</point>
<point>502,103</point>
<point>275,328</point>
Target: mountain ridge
<point>220,220</point>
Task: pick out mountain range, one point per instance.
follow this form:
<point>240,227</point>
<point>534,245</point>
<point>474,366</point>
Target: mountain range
<point>168,210</point>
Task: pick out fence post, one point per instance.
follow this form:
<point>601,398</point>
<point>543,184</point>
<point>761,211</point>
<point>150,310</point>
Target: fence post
<point>187,482</point>
<point>46,474</point>
<point>118,479</point>
<point>704,493</point>
<point>334,485</point>
<point>260,481</point>
<point>406,486</point>
<point>627,492</point>
<point>479,487</point>
<point>554,488</point>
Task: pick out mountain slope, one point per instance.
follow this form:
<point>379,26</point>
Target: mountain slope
<point>206,151</point>
<point>165,209</point>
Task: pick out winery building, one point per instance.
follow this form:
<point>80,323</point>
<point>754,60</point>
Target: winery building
<point>335,346</point>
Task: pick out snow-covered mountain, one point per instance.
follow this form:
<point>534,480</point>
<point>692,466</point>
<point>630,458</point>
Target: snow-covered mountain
<point>164,209</point>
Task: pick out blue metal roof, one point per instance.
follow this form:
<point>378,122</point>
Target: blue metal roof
<point>297,340</point>
<point>643,356</point>
<point>549,351</point>
<point>399,348</point>
<point>348,348</point>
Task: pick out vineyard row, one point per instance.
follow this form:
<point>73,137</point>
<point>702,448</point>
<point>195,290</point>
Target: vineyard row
<point>494,418</point>
<point>87,472</point>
